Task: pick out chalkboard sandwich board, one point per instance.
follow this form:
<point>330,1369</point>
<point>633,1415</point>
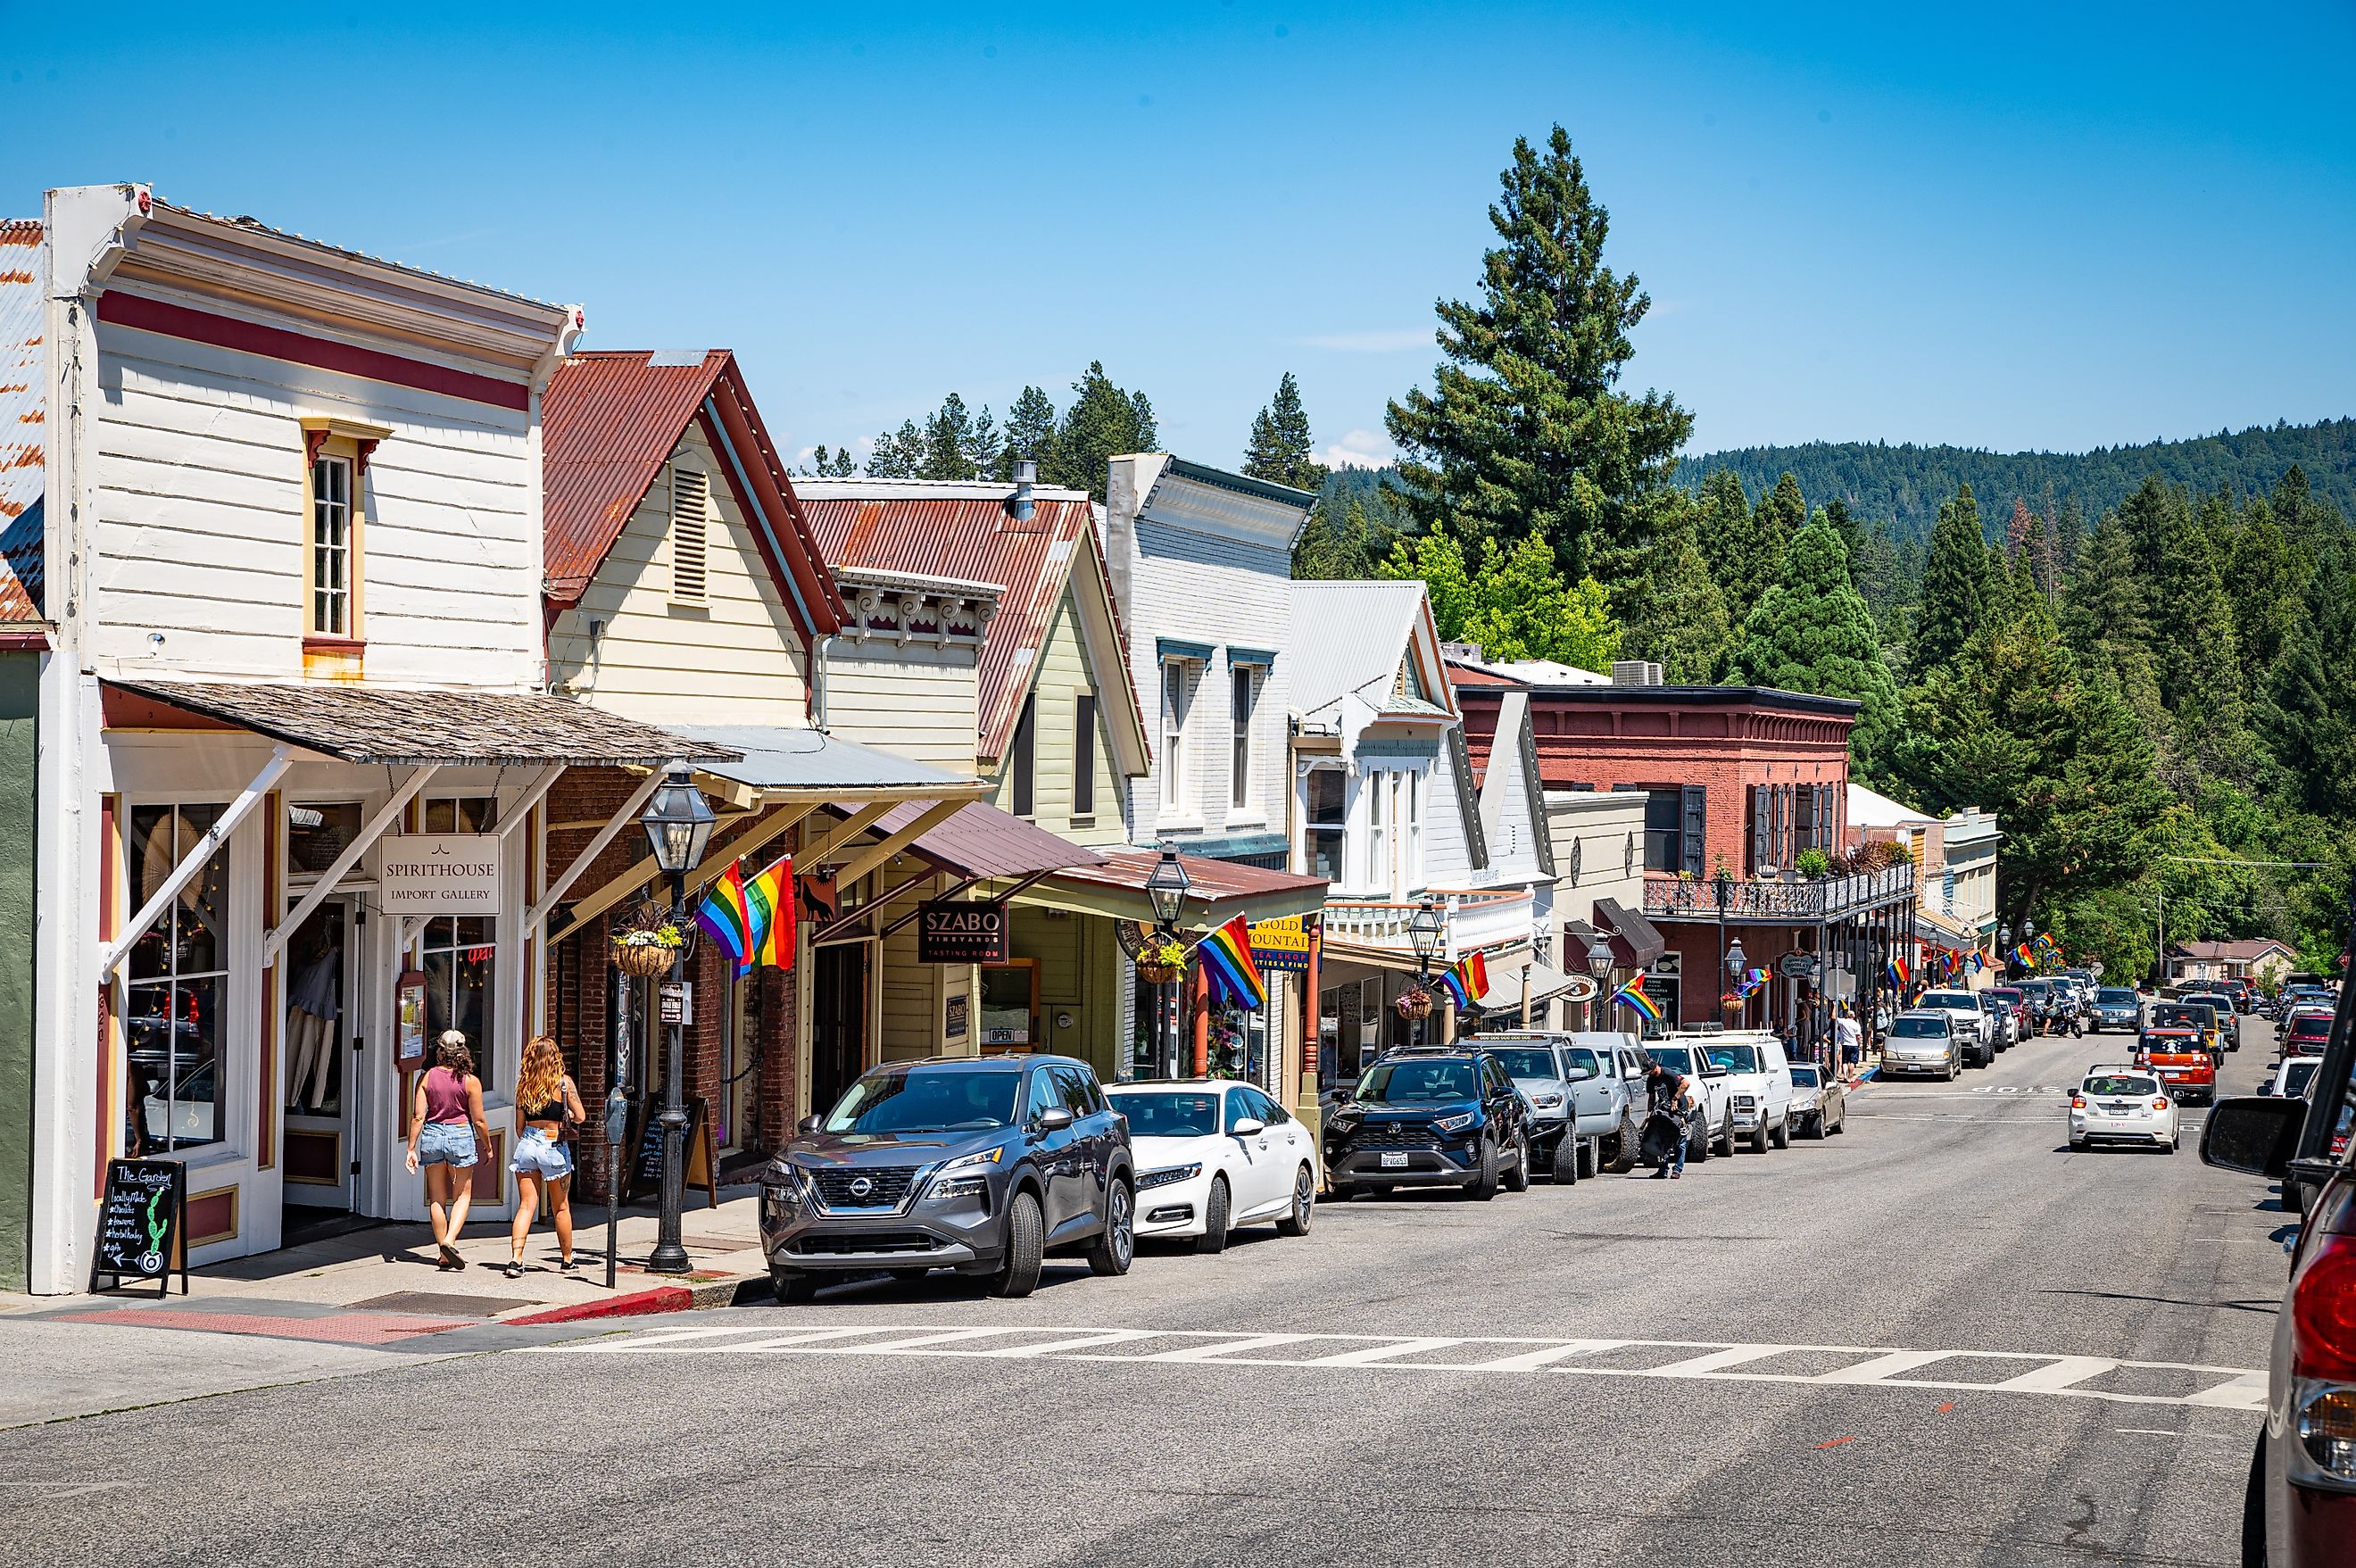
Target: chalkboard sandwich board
<point>143,1224</point>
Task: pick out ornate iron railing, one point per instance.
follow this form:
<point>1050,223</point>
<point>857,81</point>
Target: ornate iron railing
<point>1825,898</point>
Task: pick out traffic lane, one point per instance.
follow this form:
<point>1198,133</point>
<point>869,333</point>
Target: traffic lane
<point>850,1460</point>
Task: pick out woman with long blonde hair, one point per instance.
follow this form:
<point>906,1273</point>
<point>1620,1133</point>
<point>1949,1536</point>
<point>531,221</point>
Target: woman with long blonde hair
<point>546,1103</point>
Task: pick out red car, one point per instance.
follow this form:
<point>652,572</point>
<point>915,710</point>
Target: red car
<point>2182,1062</point>
<point>2305,1032</point>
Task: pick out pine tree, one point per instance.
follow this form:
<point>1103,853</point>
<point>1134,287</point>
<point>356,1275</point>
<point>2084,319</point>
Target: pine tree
<point>1850,528</point>
<point>1345,545</point>
<point>1526,429</point>
<point>1672,613</point>
<point>958,444</point>
<point>2269,583</point>
<point>1889,573</point>
<point>2105,613</point>
<point>1280,446</point>
<point>2311,715</point>
<point>1722,531</point>
<point>825,465</point>
<point>1774,523</point>
<point>1030,433</point>
<point>897,455</point>
<point>1811,632</point>
<point>1952,586</point>
<point>1103,423</point>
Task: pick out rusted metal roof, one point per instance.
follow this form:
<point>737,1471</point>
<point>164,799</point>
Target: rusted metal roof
<point>401,727</point>
<point>610,420</point>
<point>966,529</point>
<point>1209,882</point>
<point>981,842</point>
<point>22,406</point>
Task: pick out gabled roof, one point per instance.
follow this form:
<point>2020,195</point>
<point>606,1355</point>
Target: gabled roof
<point>1351,638</point>
<point>611,420</point>
<point>967,530</point>
<point>22,407</point>
<point>1868,809</point>
<point>2249,950</point>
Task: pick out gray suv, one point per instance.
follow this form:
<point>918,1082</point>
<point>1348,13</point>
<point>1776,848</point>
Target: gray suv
<point>981,1166</point>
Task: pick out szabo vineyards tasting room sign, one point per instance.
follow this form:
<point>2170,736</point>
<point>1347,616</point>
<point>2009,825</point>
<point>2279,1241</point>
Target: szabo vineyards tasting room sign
<point>438,873</point>
<point>950,932</point>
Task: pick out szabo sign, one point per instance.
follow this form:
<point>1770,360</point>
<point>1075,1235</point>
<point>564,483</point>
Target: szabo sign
<point>438,873</point>
<point>952,932</point>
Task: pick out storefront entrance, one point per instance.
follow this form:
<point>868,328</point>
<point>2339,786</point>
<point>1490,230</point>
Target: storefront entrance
<point>837,1022</point>
<point>318,1033</point>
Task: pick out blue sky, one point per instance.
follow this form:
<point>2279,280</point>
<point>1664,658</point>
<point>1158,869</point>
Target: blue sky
<point>2003,228</point>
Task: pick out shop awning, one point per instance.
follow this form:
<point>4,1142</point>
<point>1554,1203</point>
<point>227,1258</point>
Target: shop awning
<point>982,844</point>
<point>1217,890</point>
<point>1636,941</point>
<point>403,727</point>
<point>1504,993</point>
<point>787,762</point>
<point>1940,926</point>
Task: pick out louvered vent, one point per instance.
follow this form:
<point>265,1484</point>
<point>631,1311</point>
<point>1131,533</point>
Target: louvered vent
<point>691,514</point>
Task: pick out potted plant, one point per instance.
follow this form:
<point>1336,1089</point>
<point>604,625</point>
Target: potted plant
<point>1163,959</point>
<point>645,943</point>
<point>1814,863</point>
<point>1414,1003</point>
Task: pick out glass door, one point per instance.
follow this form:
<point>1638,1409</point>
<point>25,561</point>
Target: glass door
<point>319,995</point>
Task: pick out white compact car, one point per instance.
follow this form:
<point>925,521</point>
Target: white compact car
<point>2123,1105</point>
<point>1212,1156</point>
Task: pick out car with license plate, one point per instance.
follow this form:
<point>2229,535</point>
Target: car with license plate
<point>1580,1086</point>
<point>981,1164</point>
<point>2200,1016</point>
<point>1819,1100</point>
<point>1212,1156</point>
<point>2016,1001</point>
<point>2305,1032</point>
<point>1975,1030</point>
<point>1922,1045</point>
<point>1713,1130</point>
<point>2115,1007</point>
<point>1543,1072</point>
<point>2181,1059</point>
<point>2000,1014</point>
<point>1433,1117</point>
<point>2123,1104</point>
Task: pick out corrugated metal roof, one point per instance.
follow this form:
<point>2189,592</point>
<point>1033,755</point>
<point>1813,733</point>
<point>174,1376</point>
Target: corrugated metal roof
<point>1208,881</point>
<point>965,531</point>
<point>789,758</point>
<point>1347,635</point>
<point>610,420</point>
<point>22,405</point>
<point>980,841</point>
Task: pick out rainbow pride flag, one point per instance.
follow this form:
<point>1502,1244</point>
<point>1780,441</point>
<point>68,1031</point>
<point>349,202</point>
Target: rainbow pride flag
<point>1978,961</point>
<point>1467,981</point>
<point>1633,996</point>
<point>770,896</point>
<point>726,919</point>
<point>2026,955</point>
<point>1227,956</point>
<point>1898,972</point>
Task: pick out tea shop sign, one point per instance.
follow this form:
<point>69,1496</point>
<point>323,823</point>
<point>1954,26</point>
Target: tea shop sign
<point>438,873</point>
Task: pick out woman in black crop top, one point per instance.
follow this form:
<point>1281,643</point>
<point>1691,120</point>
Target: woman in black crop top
<point>546,1103</point>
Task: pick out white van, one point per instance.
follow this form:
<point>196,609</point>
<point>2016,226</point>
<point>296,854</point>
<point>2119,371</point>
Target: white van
<point>1758,1080</point>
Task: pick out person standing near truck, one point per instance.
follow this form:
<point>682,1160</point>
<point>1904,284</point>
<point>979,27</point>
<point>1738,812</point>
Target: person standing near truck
<point>1669,1094</point>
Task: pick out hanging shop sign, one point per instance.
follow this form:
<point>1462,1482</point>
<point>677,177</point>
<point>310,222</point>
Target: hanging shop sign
<point>1283,944</point>
<point>1580,988</point>
<point>948,931</point>
<point>1796,965</point>
<point>438,873</point>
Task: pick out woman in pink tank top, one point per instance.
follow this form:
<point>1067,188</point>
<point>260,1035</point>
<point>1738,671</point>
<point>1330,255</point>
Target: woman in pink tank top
<point>446,1128</point>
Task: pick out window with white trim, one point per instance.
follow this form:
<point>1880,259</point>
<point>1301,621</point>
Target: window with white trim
<point>1378,844</point>
<point>1411,857</point>
<point>1084,754</point>
<point>1241,715</point>
<point>334,549</point>
<point>460,953</point>
<point>1174,696</point>
<point>690,524</point>
<point>177,982</point>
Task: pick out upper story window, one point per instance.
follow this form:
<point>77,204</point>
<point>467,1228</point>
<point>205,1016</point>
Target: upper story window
<point>1240,710</point>
<point>1676,821</point>
<point>1083,756</point>
<point>690,523</point>
<point>1411,820</point>
<point>1025,759</point>
<point>1378,837</point>
<point>334,544</point>
<point>1176,692</point>
<point>1325,824</point>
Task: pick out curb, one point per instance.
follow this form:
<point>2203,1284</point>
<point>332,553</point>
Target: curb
<point>705,1294</point>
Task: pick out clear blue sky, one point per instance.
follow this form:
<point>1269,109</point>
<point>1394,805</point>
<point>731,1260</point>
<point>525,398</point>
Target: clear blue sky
<point>2002,228</point>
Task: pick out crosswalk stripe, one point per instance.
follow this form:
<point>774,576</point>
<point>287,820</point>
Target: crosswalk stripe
<point>1368,1357</point>
<point>1049,1347</point>
<point>2247,1392</point>
<point>1228,1348</point>
<point>2062,1373</point>
<point>1883,1367</point>
<point>1530,1360</point>
<point>1716,1360</point>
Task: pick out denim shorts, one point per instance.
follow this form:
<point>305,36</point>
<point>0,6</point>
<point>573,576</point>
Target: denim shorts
<point>537,1153</point>
<point>446,1143</point>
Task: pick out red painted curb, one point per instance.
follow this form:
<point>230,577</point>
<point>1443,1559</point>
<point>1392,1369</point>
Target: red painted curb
<point>637,1303</point>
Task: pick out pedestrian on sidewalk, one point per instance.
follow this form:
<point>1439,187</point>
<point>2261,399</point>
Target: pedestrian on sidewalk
<point>1852,1040</point>
<point>549,1106</point>
<point>445,1129</point>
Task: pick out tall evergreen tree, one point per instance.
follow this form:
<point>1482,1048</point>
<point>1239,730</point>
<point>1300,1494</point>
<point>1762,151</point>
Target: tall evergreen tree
<point>2199,668</point>
<point>1346,544</point>
<point>958,444</point>
<point>838,464</point>
<point>1674,615</point>
<point>1030,433</point>
<point>1280,447</point>
<point>2106,614</point>
<point>2311,717</point>
<point>1774,522</point>
<point>1811,632</point>
<point>2269,583</point>
<point>1889,573</point>
<point>1850,527</point>
<point>1952,586</point>
<point>1526,428</point>
<point>1103,423</point>
<point>1723,530</point>
<point>897,454</point>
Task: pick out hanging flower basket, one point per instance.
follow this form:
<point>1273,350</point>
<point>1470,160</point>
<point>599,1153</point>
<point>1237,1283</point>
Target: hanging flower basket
<point>645,944</point>
<point>1414,1003</point>
<point>1162,963</point>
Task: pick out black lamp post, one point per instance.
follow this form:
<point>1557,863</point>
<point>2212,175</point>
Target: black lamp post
<point>1423,929</point>
<point>1167,888</point>
<point>2004,948</point>
<point>1733,963</point>
<point>1722,887</point>
<point>679,826</point>
<point>1600,960</point>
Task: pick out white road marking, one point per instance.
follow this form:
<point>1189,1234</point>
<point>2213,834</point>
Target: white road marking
<point>2046,1374</point>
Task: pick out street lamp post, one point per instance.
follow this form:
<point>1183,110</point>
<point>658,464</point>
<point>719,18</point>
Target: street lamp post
<point>1734,961</point>
<point>1598,965</point>
<point>1423,929</point>
<point>1167,888</point>
<point>1722,887</point>
<point>679,826</point>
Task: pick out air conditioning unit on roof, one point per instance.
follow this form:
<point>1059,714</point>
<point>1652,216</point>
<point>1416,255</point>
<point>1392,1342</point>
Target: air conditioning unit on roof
<point>1635,672</point>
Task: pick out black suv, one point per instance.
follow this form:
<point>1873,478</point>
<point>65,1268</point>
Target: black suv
<point>1430,1118</point>
<point>983,1165</point>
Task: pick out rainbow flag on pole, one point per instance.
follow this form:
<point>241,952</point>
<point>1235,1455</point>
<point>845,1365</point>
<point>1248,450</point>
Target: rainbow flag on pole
<point>1467,981</point>
<point>726,919</point>
<point>1227,956</point>
<point>1898,972</point>
<point>1632,995</point>
<point>2026,955</point>
<point>770,895</point>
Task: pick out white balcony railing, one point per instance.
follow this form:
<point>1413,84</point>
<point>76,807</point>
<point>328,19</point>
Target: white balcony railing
<point>1474,918</point>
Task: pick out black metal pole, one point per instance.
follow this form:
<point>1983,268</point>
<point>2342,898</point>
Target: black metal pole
<point>669,1256</point>
<point>1422,983</point>
<point>616,1139</point>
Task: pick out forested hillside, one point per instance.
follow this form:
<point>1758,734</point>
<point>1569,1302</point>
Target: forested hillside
<point>1905,484</point>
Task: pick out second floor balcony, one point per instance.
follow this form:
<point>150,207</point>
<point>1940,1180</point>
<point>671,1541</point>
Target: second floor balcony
<point>1470,919</point>
<point>1756,902</point>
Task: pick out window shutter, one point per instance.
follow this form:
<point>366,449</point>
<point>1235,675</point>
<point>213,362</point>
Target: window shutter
<point>1760,843</point>
<point>1696,825</point>
<point>691,514</point>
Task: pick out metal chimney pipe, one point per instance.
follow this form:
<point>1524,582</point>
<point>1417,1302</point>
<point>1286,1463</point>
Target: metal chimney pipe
<point>1026,474</point>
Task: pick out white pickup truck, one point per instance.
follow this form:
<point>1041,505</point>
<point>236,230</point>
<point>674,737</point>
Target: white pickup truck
<point>1758,1080</point>
<point>1711,1082</point>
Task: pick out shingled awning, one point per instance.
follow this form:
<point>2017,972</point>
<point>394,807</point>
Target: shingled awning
<point>403,727</point>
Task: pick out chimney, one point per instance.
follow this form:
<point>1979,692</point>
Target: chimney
<point>1635,672</point>
<point>1026,474</point>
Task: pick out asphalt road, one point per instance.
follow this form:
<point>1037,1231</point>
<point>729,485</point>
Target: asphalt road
<point>1415,1381</point>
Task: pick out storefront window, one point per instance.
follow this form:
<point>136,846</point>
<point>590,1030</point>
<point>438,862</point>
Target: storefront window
<point>459,953</point>
<point>317,831</point>
<point>178,974</point>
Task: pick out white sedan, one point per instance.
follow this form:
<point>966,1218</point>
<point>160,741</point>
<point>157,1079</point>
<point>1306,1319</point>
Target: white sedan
<point>1212,1156</point>
<point>2123,1105</point>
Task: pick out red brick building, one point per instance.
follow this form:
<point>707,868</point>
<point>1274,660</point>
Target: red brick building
<point>1739,783</point>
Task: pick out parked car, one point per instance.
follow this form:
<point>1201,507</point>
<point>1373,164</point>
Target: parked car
<point>1430,1118</point>
<point>2305,1032</point>
<point>2123,1104</point>
<point>1923,1045</point>
<point>1584,1082</point>
<point>2000,1013</point>
<point>1975,1030</point>
<point>2016,1005</point>
<point>2115,1007</point>
<point>2293,1077</point>
<point>1539,1068</point>
<point>1819,1100</point>
<point>1758,1082</point>
<point>1212,1156</point>
<point>1712,1085</point>
<point>2181,1059</point>
<point>985,1165</point>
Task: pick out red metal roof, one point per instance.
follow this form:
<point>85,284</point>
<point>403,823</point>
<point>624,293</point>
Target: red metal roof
<point>956,533</point>
<point>1208,881</point>
<point>610,420</point>
<point>980,841</point>
<point>22,403</point>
